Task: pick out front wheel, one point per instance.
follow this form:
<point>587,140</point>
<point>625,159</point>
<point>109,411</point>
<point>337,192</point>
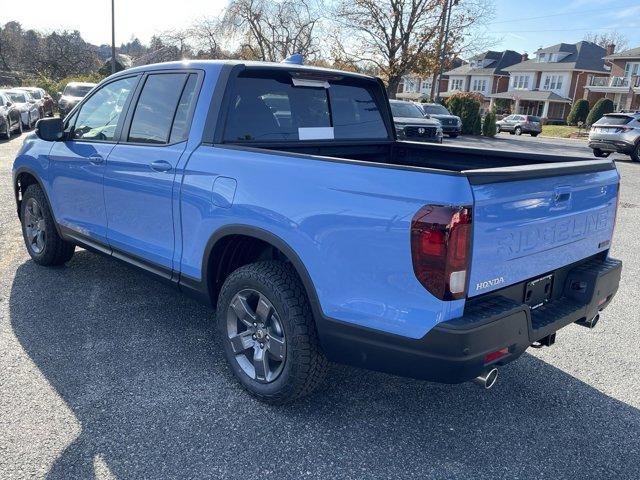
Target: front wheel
<point>41,238</point>
<point>518,131</point>
<point>268,332</point>
<point>635,154</point>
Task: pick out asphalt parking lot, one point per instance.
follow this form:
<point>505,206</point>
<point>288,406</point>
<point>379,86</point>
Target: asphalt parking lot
<point>106,374</point>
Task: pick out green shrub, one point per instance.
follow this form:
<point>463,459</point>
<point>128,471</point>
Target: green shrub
<point>489,125</point>
<point>466,105</point>
<point>53,86</point>
<point>602,106</point>
<point>578,112</point>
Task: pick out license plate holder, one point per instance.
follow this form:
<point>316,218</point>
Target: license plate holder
<point>538,292</point>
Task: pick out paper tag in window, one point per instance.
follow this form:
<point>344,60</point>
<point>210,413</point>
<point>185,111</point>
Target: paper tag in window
<point>315,133</point>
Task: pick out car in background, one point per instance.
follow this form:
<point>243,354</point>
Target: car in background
<point>71,96</point>
<point>616,132</point>
<point>519,124</point>
<point>412,124</point>
<point>451,124</point>
<point>10,120</point>
<point>26,105</point>
<point>43,99</point>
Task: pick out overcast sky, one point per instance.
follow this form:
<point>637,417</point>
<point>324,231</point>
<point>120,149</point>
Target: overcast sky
<point>518,25</point>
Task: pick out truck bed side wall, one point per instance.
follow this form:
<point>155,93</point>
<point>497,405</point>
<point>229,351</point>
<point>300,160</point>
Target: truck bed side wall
<point>348,223</point>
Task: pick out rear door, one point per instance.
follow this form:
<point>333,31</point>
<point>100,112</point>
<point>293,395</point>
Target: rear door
<point>140,172</point>
<point>523,229</point>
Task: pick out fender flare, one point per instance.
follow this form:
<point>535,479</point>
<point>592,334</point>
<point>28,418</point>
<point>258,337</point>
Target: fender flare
<point>260,234</point>
<point>33,173</point>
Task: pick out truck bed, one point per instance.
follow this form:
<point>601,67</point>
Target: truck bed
<point>478,164</point>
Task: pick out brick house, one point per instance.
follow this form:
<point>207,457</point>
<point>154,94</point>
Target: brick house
<point>415,87</point>
<point>485,74</point>
<point>548,84</point>
<point>622,86</point>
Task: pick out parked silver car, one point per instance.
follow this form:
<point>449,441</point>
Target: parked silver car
<point>26,105</point>
<point>519,124</point>
<point>616,132</point>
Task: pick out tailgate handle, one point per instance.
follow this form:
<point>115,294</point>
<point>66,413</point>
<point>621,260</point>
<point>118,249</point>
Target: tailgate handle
<point>563,197</point>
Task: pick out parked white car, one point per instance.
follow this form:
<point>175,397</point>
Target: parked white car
<point>26,105</point>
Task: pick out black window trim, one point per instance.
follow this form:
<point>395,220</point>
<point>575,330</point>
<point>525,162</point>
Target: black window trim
<point>225,89</point>
<point>124,133</point>
<point>74,111</point>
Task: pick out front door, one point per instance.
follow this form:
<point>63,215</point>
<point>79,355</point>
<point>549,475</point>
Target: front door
<point>77,164</point>
<point>140,176</point>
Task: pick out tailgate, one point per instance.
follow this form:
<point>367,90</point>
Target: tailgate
<point>525,228</point>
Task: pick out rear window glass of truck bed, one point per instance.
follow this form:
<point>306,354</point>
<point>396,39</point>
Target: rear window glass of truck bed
<point>272,108</point>
<point>613,120</point>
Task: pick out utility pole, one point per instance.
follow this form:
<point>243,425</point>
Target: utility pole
<point>113,37</point>
<point>446,19</point>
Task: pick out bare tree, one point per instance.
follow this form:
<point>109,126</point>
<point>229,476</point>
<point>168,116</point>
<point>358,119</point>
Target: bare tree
<point>273,30</point>
<point>403,36</point>
<point>207,35</point>
<point>604,39</point>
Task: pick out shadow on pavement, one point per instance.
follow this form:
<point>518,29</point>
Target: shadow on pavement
<point>136,363</point>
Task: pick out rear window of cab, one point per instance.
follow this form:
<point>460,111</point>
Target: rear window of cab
<point>279,107</point>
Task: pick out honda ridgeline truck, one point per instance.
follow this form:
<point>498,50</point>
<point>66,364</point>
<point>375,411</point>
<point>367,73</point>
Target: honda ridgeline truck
<point>280,195</point>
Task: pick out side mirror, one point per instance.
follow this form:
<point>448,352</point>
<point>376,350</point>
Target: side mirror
<point>50,129</point>
<point>8,104</point>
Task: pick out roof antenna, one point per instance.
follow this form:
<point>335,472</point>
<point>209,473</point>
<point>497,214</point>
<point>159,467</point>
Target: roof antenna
<point>295,59</point>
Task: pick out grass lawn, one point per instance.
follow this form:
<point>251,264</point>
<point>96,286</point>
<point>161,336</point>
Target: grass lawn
<point>559,131</point>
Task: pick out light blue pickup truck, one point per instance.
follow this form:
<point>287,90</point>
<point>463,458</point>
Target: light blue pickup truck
<point>280,195</point>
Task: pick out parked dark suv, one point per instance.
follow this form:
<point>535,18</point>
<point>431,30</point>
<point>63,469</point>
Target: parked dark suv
<point>451,124</point>
<point>519,124</point>
<point>10,120</point>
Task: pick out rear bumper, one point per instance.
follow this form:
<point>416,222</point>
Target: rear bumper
<point>454,351</point>
<point>619,146</point>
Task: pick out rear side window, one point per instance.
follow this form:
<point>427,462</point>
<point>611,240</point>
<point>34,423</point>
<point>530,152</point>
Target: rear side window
<point>614,120</point>
<point>180,129</point>
<point>156,107</point>
<point>272,109</point>
<point>534,119</point>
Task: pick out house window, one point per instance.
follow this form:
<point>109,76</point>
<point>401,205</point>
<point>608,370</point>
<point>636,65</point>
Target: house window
<point>552,82</point>
<point>521,81</point>
<point>456,83</point>
<point>631,69</point>
<point>541,57</point>
<point>479,85</point>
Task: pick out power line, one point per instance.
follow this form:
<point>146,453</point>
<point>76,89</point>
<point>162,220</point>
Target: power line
<point>566,29</point>
<point>582,12</point>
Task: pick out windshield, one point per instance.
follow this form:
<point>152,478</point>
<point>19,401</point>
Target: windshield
<point>408,110</point>
<point>435,110</point>
<point>76,90</point>
<point>613,120</point>
<point>17,97</point>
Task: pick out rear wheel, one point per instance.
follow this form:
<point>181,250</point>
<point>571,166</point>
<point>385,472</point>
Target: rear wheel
<point>518,131</point>
<point>534,134</point>
<point>268,332</point>
<point>41,238</point>
<point>600,153</point>
<point>635,154</point>
<point>7,133</point>
<point>498,129</point>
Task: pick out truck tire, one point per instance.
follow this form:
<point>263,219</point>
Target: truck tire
<point>41,238</point>
<point>635,153</point>
<point>268,332</point>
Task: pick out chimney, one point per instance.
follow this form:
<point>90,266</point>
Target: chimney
<point>525,56</point>
<point>610,49</point>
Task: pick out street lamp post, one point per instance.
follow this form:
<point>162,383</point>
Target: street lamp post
<point>113,37</point>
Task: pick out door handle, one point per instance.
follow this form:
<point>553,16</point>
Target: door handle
<point>161,166</point>
<point>96,159</point>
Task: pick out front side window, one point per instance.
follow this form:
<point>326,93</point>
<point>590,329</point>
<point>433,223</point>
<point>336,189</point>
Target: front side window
<point>99,115</point>
<point>17,97</point>
<point>36,94</point>
<point>156,107</point>
<point>76,90</point>
<point>273,108</point>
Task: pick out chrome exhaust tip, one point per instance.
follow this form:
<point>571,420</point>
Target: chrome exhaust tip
<point>487,379</point>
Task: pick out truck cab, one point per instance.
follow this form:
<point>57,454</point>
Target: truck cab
<point>280,195</point>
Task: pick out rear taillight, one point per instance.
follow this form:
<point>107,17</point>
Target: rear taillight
<point>440,241</point>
